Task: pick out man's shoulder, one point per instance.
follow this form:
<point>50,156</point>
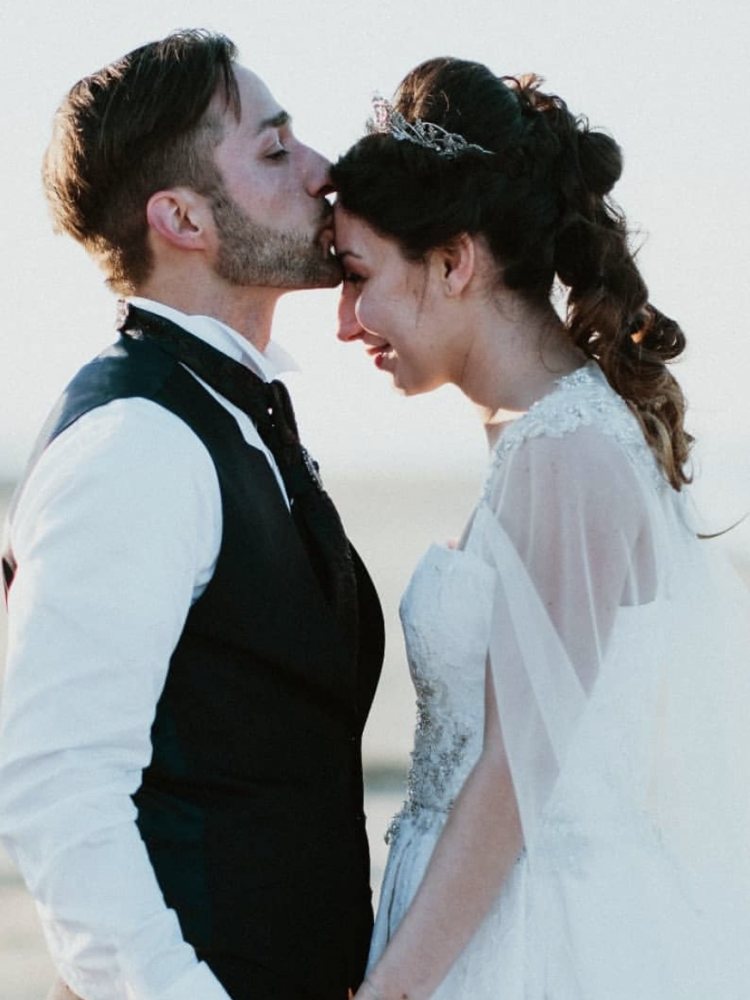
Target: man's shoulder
<point>127,368</point>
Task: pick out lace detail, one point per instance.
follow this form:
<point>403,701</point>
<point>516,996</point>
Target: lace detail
<point>583,398</point>
<point>564,845</point>
<point>567,845</point>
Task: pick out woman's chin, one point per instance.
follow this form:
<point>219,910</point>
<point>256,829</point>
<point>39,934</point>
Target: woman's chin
<point>410,388</point>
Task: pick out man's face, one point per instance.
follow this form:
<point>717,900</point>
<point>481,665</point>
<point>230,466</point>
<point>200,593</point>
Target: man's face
<point>274,225</point>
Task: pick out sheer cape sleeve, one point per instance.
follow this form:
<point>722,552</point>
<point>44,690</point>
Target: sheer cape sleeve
<point>620,655</point>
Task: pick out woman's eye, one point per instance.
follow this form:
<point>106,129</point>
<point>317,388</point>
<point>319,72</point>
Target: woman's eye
<point>353,279</point>
<point>278,154</point>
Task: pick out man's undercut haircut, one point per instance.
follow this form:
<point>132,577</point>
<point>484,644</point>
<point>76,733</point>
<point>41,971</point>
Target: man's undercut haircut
<point>142,124</point>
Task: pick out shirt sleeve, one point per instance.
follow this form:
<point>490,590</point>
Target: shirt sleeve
<point>116,533</point>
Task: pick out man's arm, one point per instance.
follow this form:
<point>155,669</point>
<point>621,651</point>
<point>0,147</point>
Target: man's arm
<point>115,534</point>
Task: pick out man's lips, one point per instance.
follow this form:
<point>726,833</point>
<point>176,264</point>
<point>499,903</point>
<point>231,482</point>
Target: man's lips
<point>325,237</point>
<point>325,230</point>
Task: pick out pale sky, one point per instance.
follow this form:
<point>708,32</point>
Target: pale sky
<point>666,77</point>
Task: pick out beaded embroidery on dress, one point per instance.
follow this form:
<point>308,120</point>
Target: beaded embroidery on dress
<point>581,399</point>
<point>582,583</point>
<point>445,614</point>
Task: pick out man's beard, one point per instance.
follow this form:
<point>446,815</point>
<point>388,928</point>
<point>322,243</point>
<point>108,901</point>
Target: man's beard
<point>253,254</point>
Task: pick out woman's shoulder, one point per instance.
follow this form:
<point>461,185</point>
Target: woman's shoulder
<point>582,419</point>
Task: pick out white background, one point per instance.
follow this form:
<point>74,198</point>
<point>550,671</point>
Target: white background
<point>668,78</point>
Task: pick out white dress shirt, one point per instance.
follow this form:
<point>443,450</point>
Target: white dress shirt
<point>116,534</point>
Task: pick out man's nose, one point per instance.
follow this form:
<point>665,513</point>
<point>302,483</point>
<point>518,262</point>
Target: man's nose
<point>318,177</point>
<point>349,326</point>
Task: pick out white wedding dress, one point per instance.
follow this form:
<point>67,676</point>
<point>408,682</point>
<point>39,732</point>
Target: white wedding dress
<point>620,652</point>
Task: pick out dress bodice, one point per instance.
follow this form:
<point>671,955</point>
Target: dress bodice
<point>445,613</point>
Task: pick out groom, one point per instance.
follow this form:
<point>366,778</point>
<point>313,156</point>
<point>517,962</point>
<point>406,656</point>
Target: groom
<point>193,644</point>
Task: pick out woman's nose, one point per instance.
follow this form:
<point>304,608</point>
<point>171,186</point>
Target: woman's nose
<point>349,328</point>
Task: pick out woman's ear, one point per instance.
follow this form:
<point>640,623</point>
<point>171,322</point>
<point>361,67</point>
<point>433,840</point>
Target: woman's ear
<point>458,263</point>
<point>179,217</point>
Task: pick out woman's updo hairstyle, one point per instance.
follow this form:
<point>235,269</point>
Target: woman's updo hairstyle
<point>534,184</point>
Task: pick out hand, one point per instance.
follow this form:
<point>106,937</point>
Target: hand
<point>60,991</point>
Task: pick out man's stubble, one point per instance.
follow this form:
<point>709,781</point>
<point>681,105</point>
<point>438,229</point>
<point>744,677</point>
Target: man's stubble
<point>252,254</point>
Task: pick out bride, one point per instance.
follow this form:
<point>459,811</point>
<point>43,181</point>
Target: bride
<point>577,821</point>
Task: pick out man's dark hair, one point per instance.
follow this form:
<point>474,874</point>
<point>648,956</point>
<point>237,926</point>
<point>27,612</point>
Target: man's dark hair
<point>137,126</point>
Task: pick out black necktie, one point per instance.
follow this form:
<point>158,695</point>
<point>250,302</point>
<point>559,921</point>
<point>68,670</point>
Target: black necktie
<point>270,408</point>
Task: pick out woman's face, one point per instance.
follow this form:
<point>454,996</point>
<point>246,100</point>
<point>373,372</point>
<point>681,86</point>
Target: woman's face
<point>393,306</point>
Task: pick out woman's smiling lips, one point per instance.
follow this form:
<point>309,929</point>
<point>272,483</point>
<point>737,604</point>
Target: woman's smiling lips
<point>378,353</point>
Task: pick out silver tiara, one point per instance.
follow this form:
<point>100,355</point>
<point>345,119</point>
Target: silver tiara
<point>386,120</point>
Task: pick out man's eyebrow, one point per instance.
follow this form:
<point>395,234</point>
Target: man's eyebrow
<point>275,121</point>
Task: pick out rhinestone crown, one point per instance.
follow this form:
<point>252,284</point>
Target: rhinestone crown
<point>386,120</point>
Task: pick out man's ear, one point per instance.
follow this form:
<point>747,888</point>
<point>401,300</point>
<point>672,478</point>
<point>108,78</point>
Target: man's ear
<point>457,262</point>
<point>179,216</point>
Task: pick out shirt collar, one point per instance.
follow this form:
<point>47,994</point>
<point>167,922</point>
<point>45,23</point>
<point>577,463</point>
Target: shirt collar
<point>267,364</point>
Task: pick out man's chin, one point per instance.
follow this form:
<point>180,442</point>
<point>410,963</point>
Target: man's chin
<point>286,262</point>
<point>321,273</point>
<point>331,278</point>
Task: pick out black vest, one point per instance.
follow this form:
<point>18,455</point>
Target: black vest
<point>251,809</point>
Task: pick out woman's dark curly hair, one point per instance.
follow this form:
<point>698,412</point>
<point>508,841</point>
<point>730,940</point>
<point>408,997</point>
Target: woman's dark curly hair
<point>539,198</point>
